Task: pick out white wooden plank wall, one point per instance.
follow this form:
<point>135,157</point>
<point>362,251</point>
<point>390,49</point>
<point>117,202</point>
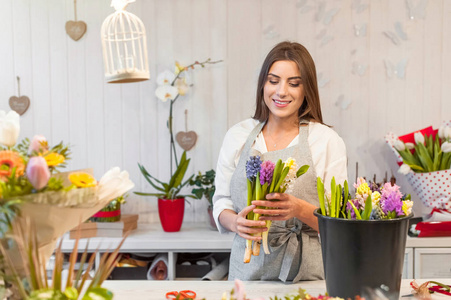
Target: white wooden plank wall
<point>120,125</point>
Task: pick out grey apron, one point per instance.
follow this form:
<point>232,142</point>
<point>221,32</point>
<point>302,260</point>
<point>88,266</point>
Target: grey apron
<point>295,247</point>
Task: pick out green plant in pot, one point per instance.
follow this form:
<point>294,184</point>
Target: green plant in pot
<point>204,186</point>
<point>171,205</point>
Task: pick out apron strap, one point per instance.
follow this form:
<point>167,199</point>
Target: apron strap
<point>250,140</point>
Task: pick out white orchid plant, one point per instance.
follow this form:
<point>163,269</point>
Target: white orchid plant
<point>171,85</point>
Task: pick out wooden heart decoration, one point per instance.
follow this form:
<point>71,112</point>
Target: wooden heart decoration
<point>186,140</point>
<point>19,104</point>
<point>76,29</point>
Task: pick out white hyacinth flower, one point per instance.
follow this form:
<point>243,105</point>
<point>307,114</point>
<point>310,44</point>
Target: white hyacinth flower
<point>399,145</point>
<point>291,176</point>
<point>404,169</point>
<point>419,138</point>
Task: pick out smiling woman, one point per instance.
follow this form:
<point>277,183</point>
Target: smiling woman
<point>287,125</point>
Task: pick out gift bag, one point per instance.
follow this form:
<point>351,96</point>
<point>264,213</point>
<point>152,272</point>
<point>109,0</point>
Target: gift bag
<point>434,188</point>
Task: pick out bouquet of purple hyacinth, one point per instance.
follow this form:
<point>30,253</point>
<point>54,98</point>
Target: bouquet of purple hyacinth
<point>370,202</point>
<point>265,177</point>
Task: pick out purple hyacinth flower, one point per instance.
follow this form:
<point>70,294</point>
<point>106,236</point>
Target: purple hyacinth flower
<point>392,202</point>
<point>389,189</point>
<point>266,172</point>
<point>253,167</point>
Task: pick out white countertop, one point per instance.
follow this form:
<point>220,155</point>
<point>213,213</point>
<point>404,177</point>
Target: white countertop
<point>432,242</point>
<point>194,238</point>
<point>213,290</point>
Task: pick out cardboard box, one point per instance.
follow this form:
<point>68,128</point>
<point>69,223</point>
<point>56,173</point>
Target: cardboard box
<point>106,229</point>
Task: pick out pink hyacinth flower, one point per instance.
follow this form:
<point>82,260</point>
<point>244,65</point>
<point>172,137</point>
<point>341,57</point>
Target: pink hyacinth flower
<point>38,144</point>
<point>38,172</point>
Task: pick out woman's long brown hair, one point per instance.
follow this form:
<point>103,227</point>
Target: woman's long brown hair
<point>311,108</point>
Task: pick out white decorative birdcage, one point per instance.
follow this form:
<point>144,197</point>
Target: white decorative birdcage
<point>124,46</point>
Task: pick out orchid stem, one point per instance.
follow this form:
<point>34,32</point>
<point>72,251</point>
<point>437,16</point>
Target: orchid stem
<point>172,145</point>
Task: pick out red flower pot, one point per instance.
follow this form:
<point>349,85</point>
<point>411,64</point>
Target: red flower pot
<point>171,213</point>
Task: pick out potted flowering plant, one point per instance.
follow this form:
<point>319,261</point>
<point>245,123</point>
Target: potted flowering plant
<point>204,187</point>
<point>370,229</point>
<point>424,157</point>
<point>170,206</point>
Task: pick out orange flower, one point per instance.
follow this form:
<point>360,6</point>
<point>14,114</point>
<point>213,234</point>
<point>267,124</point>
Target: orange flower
<point>8,161</point>
<point>82,179</point>
<point>54,159</point>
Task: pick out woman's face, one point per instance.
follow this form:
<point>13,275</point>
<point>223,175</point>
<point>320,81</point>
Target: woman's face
<point>283,91</point>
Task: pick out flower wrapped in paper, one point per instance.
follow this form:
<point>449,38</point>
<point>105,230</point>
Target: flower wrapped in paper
<point>31,187</point>
<point>424,157</point>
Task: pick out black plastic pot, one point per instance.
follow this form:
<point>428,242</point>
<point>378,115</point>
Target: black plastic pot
<point>362,256</point>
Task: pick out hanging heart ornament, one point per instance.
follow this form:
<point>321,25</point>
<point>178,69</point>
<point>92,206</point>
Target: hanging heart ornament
<point>19,104</point>
<point>186,140</point>
<point>76,29</point>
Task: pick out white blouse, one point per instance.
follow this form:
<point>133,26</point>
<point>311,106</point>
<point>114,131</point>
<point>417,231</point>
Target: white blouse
<point>327,148</point>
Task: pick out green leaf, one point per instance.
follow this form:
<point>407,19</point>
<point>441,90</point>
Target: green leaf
<point>258,187</point>
<point>147,177</point>
<point>281,179</point>
<point>446,161</point>
<point>277,170</point>
<point>424,157</point>
<point>98,293</point>
<point>356,211</point>
<point>71,293</point>
<point>146,174</point>
<point>338,201</point>
<point>417,168</point>
<point>302,170</point>
<point>429,145</point>
<point>437,160</point>
<point>198,193</point>
<point>333,187</point>
<point>177,178</point>
<point>320,189</point>
<point>249,192</point>
<point>345,199</point>
<point>368,207</point>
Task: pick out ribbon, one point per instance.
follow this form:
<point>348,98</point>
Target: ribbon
<point>280,236</point>
<point>107,214</point>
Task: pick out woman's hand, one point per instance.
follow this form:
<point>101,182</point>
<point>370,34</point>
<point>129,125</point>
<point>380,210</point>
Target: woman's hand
<point>284,207</point>
<point>242,226</point>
